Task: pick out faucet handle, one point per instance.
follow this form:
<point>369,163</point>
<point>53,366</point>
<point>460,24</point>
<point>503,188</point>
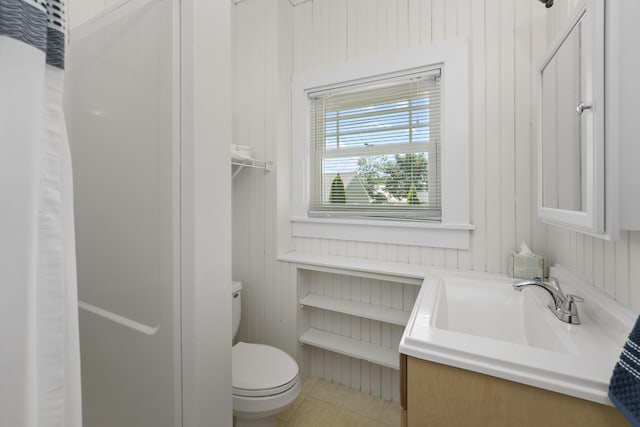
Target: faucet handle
<point>575,298</point>
<point>569,309</point>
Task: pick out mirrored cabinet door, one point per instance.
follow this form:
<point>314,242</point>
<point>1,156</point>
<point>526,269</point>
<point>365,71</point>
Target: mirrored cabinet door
<point>570,148</point>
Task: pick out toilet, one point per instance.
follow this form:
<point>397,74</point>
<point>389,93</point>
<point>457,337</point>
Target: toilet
<point>265,379</point>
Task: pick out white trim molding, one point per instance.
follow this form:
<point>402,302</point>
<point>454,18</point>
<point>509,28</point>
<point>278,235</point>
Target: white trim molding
<point>385,231</point>
<point>453,230</point>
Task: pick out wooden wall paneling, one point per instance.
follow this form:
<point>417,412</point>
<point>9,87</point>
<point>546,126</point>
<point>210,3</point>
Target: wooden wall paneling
<point>323,246</point>
<point>438,20</point>
<point>493,152</point>
<point>352,28</point>
<point>375,373</point>
<point>426,28</point>
<point>464,19</point>
<point>321,27</point>
<point>588,256</point>
<point>478,136</point>
<point>345,363</point>
<point>580,259</point>
<point>386,383</point>
<point>246,17</point>
<point>403,253</point>
<point>598,263</point>
<point>303,322</point>
<point>451,19</point>
<point>340,15</point>
<point>538,42</point>
<point>382,24</point>
<point>438,257</point>
<point>355,374</point>
<point>426,255</point>
<point>573,251</point>
<point>273,296</point>
<point>402,22</point>
<point>451,258</point>
<point>303,30</point>
<point>396,293</point>
<point>397,25</point>
<point>290,298</point>
<point>525,79</point>
<point>414,20</point>
<point>413,255</point>
<point>507,131</point>
<point>622,268</point>
<point>609,269</point>
<point>368,32</point>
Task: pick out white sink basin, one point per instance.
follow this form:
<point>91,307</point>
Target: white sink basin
<point>492,309</point>
<point>479,322</point>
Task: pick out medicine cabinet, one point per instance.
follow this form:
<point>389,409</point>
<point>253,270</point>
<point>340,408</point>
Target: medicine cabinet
<point>571,125</point>
<point>584,137</point>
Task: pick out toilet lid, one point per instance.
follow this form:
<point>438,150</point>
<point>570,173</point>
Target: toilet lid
<point>261,370</point>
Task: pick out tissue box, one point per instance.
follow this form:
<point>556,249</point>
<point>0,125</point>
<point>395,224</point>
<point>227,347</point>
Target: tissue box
<point>528,266</point>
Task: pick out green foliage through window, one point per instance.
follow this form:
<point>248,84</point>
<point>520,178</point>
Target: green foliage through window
<point>393,179</point>
<point>337,191</point>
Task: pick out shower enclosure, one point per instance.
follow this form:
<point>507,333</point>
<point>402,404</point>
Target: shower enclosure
<point>145,302</point>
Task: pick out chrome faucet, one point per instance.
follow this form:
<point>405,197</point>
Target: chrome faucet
<point>563,306</point>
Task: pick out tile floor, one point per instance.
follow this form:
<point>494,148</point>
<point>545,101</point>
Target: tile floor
<point>325,404</point>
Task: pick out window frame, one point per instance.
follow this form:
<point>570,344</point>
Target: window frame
<point>454,228</point>
<point>431,147</point>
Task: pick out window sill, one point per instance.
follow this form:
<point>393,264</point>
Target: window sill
<point>452,236</point>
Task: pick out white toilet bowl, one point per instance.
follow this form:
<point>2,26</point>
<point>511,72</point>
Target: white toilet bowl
<point>265,379</point>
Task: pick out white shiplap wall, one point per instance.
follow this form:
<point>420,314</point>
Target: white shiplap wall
<point>612,266</point>
<point>273,40</point>
<point>503,39</point>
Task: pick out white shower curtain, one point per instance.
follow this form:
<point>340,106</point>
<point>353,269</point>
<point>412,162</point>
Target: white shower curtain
<point>39,345</point>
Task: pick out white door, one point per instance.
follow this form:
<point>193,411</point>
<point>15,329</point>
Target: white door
<point>122,112</point>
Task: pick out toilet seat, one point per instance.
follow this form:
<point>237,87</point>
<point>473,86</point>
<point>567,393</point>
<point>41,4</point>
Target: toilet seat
<point>261,370</point>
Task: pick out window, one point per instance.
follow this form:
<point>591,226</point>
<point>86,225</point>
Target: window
<point>374,148</point>
<point>380,149</point>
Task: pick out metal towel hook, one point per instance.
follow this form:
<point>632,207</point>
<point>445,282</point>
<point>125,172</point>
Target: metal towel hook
<point>581,107</point>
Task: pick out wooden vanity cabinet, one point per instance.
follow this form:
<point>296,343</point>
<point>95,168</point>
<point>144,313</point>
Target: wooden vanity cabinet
<point>437,395</point>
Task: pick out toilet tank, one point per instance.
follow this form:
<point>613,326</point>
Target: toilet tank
<point>236,307</point>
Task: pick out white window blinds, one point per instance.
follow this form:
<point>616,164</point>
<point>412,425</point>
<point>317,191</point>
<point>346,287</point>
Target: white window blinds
<point>375,148</point>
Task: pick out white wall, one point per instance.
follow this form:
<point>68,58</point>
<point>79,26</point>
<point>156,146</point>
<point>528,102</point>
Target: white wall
<point>273,40</point>
<point>262,64</point>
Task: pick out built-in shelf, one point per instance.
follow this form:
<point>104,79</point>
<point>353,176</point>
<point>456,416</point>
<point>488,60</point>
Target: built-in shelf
<point>392,271</point>
<point>242,162</point>
<point>367,311</point>
<point>373,353</point>
<point>325,288</point>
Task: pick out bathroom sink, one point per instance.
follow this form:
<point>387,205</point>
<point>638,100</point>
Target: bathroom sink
<point>478,322</point>
<point>492,309</point>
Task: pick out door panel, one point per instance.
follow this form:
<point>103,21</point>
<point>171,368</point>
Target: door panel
<point>122,120</point>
